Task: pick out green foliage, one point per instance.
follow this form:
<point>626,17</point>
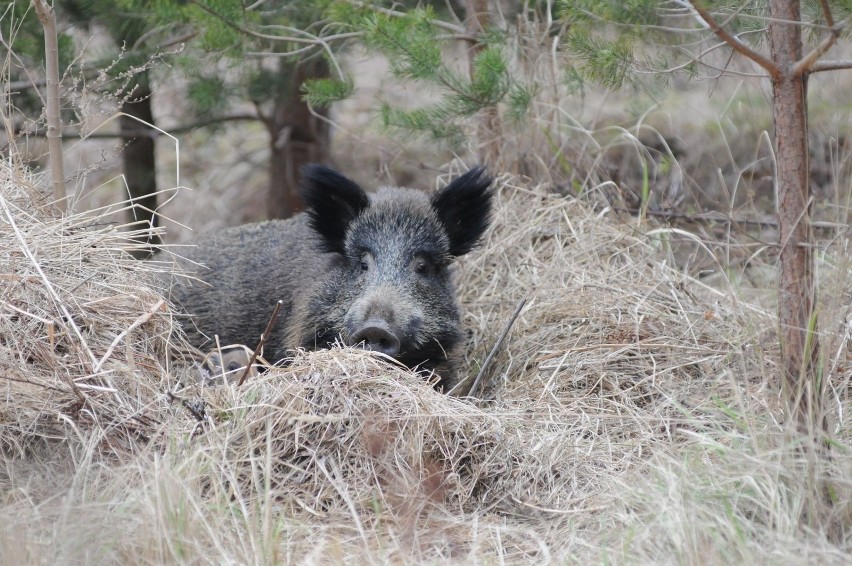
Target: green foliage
<point>229,39</point>
<point>323,92</point>
<point>433,121</point>
<point>27,34</point>
<point>520,99</point>
<point>603,61</point>
<point>260,84</point>
<point>208,94</point>
<point>621,42</point>
<point>588,12</point>
<point>413,45</point>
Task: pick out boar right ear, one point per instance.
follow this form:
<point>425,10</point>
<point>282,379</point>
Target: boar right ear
<point>333,202</point>
<point>464,207</point>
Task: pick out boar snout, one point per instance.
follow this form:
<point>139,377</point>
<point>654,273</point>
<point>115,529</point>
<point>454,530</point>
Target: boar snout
<point>377,336</point>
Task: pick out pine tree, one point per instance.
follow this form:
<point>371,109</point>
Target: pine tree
<point>414,42</point>
<point>607,38</point>
<point>271,49</point>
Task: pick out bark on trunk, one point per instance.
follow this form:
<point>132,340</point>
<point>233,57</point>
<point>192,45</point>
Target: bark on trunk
<point>47,17</point>
<point>490,129</point>
<point>802,386</point>
<point>297,138</point>
<point>140,166</point>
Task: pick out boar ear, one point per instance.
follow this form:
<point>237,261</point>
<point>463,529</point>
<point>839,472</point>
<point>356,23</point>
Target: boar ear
<point>464,207</point>
<point>333,202</point>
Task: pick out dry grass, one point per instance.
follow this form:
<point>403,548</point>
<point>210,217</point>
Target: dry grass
<point>631,417</point>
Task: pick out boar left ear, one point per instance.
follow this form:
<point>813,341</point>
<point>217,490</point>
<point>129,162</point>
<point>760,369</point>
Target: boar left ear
<point>464,208</point>
<point>333,202</point>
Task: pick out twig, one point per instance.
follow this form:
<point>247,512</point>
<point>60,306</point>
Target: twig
<point>149,133</point>
<point>263,338</point>
<point>558,511</point>
<point>496,347</point>
<point>136,323</point>
<point>806,63</point>
<point>54,123</point>
<point>722,218</point>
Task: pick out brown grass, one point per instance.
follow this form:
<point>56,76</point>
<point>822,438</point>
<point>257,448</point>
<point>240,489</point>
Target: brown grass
<point>630,417</point>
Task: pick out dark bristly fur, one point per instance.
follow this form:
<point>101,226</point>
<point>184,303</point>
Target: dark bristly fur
<point>352,268</point>
<point>332,201</point>
<point>464,208</point>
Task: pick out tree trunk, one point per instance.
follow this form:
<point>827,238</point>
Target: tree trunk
<point>53,105</point>
<point>489,130</point>
<point>140,167</point>
<point>802,386</point>
<point>297,137</point>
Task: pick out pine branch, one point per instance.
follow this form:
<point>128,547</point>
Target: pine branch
<point>458,31</point>
<point>735,43</point>
<point>312,40</point>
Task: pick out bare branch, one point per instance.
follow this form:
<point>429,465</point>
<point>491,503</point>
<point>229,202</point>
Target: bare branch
<point>821,66</point>
<point>826,11</point>
<point>806,64</point>
<point>735,43</point>
<point>170,42</point>
<point>152,133</point>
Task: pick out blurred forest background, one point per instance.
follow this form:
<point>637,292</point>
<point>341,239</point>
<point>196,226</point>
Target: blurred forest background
<point>390,92</point>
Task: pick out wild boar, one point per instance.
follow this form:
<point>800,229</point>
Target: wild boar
<point>370,270</point>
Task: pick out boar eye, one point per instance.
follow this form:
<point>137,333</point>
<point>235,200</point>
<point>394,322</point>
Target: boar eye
<point>234,366</point>
<point>366,261</point>
<point>424,267</point>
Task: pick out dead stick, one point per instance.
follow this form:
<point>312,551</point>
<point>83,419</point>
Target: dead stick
<point>496,347</point>
<point>142,319</point>
<point>263,338</point>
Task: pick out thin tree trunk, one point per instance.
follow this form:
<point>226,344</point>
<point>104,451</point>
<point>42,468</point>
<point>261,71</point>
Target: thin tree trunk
<point>47,17</point>
<point>802,386</point>
<point>490,129</point>
<point>140,166</point>
<point>297,137</point>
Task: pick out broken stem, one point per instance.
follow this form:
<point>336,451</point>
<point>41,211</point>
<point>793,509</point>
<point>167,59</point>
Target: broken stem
<point>496,347</point>
<point>263,338</point>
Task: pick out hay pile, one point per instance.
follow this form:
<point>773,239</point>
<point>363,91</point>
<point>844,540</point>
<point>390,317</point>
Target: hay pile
<point>84,333</point>
<point>616,365</point>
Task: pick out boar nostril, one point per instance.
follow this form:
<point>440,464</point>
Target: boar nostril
<point>376,337</point>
